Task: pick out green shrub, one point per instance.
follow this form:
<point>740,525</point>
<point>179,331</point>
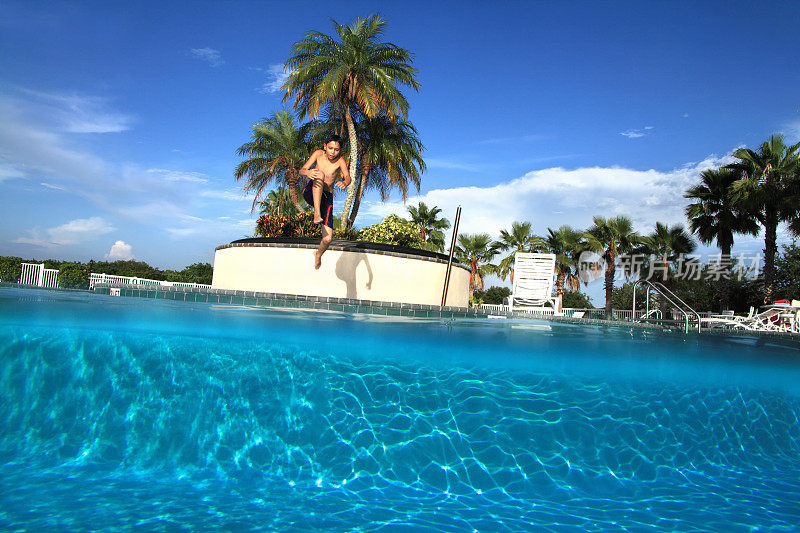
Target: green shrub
<point>393,230</point>
<point>10,269</point>
<point>297,225</point>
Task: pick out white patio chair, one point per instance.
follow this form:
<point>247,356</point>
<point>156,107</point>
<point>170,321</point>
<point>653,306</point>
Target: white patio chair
<point>533,281</point>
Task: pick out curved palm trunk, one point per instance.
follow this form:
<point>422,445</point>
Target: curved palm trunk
<point>292,177</point>
<point>770,249</point>
<point>351,189</point>
<point>362,184</point>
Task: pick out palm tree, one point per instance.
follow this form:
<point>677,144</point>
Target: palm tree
<point>519,239</point>
<point>278,149</point>
<point>567,245</point>
<point>431,226</point>
<point>354,71</point>
<point>611,237</point>
<point>716,216</point>
<point>668,245</point>
<point>390,159</point>
<point>279,202</point>
<point>476,251</point>
<point>767,188</point>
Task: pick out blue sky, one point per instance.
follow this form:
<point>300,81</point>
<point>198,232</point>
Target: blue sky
<point>120,121</point>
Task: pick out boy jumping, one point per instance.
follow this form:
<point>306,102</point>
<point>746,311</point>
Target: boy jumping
<point>319,190</point>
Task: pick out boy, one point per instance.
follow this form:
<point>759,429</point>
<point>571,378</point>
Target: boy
<point>319,190</point>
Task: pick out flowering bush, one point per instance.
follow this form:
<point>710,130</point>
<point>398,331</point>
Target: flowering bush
<point>297,225</point>
<point>393,230</point>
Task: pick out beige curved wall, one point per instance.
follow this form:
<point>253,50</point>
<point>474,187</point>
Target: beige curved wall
<point>344,274</point>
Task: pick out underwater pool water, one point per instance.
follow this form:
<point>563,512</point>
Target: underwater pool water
<point>127,413</point>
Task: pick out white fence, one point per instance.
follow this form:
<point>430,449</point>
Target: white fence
<point>37,274</point>
<point>617,314</point>
<point>141,282</point>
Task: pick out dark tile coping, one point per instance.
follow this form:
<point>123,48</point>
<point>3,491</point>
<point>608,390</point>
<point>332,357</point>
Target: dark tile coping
<point>348,305</point>
<point>344,246</point>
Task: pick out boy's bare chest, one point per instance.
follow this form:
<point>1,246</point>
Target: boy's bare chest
<point>327,167</point>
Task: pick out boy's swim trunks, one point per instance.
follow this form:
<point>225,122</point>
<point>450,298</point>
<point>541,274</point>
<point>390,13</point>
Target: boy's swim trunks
<point>325,204</point>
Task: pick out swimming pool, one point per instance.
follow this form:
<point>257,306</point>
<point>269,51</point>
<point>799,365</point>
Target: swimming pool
<point>123,413</point>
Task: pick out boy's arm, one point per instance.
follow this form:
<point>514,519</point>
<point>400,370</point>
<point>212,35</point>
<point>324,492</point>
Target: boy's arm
<point>305,170</point>
<point>344,173</point>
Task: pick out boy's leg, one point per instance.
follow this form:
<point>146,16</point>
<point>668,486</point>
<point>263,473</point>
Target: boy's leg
<point>316,192</point>
<point>327,236</point>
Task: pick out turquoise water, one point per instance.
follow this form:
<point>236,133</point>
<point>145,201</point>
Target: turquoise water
<point>126,413</point>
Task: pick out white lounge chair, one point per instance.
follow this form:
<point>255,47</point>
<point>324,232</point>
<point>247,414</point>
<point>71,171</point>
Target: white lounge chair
<point>769,320</point>
<point>533,282</point>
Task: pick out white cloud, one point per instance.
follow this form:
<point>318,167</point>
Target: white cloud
<point>686,115</point>
<point>77,113</point>
<point>276,78</point>
<point>120,251</point>
<point>178,175</point>
<point>633,134</point>
<point>73,232</point>
<point>648,127</point>
<point>51,186</point>
<point>209,55</point>
<point>555,196</point>
<point>434,162</point>
<point>792,132</point>
<point>228,194</point>
<point>8,172</point>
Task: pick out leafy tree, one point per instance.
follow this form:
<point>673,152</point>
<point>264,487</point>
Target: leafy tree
<point>611,237</point>
<point>431,226</point>
<point>391,159</point>
<point>279,202</point>
<point>519,239</point>
<point>768,190</point>
<point>567,245</point>
<point>476,251</point>
<point>576,300</point>
<point>716,216</point>
<point>787,273</point>
<point>496,295</point>
<point>354,71</point>
<point>276,152</point>
<point>393,230</point>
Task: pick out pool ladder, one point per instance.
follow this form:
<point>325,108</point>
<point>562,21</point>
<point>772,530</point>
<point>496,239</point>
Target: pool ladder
<point>690,317</point>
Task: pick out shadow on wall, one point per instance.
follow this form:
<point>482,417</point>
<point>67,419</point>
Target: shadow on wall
<point>346,268</point>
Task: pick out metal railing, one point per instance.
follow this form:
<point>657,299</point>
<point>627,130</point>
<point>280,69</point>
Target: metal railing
<point>679,306</point>
<point>95,278</point>
<point>38,275</point>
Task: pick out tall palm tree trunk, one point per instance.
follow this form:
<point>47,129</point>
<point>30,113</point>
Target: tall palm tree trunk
<point>362,185</point>
<point>560,289</point>
<point>609,285</point>
<point>293,176</point>
<point>725,282</point>
<point>351,189</point>
<point>770,249</point>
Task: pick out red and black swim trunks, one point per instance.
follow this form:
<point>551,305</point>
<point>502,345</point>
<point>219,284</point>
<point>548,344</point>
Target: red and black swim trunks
<point>325,204</point>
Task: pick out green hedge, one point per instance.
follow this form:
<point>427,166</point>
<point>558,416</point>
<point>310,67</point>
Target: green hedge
<point>75,275</point>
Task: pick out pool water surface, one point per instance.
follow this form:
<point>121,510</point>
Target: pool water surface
<point>126,413</point>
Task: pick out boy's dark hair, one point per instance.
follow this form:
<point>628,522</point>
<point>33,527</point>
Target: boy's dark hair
<point>334,137</point>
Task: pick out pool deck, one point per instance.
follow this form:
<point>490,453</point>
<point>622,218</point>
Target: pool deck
<point>349,305</point>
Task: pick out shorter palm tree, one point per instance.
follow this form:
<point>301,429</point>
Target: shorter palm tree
<point>277,150</point>
<point>476,251</point>
<point>567,244</point>
<point>279,202</point>
<point>431,226</point>
<point>519,239</point>
<point>611,237</point>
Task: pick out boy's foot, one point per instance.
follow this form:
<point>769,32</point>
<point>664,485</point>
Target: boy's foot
<point>317,261</point>
<point>317,220</point>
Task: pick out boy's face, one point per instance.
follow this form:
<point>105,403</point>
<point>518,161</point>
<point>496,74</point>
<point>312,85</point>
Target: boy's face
<point>332,150</point>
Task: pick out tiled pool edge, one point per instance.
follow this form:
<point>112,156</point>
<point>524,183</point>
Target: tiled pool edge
<point>279,300</point>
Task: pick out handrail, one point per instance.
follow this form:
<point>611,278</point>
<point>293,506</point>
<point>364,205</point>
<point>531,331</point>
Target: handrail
<point>668,295</point>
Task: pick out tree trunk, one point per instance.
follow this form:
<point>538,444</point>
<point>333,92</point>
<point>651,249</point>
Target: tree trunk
<point>292,178</point>
<point>724,282</point>
<point>770,249</point>
<point>609,284</point>
<point>351,189</point>
<point>362,184</point>
<point>560,289</point>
